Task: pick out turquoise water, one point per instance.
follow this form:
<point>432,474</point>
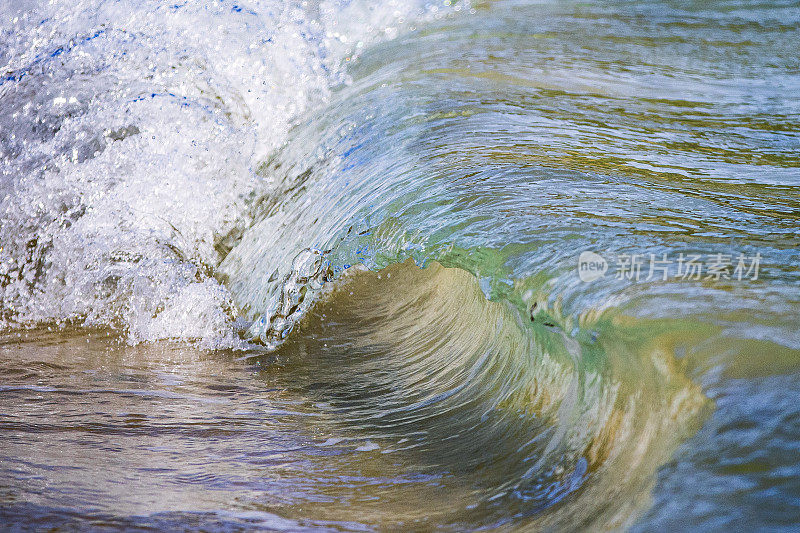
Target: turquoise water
<point>336,261</point>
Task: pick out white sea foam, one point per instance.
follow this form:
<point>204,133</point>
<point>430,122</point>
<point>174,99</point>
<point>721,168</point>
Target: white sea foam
<point>129,138</point>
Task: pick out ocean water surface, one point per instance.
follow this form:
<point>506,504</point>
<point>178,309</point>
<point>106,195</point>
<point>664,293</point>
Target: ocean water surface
<point>355,265</point>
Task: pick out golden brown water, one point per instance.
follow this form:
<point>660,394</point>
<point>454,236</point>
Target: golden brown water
<point>185,190</point>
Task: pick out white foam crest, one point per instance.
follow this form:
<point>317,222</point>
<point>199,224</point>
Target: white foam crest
<point>129,140</point>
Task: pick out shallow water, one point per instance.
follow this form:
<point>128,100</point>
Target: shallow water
<point>215,218</point>
<point>388,408</point>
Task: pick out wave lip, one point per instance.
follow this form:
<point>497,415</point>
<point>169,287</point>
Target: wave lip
<point>418,363</point>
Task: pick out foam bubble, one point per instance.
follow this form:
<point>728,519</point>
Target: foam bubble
<point>129,141</point>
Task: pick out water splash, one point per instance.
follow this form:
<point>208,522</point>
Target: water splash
<point>131,137</point>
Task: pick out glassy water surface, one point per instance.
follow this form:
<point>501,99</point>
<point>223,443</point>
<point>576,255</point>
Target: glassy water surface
<point>319,266</point>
